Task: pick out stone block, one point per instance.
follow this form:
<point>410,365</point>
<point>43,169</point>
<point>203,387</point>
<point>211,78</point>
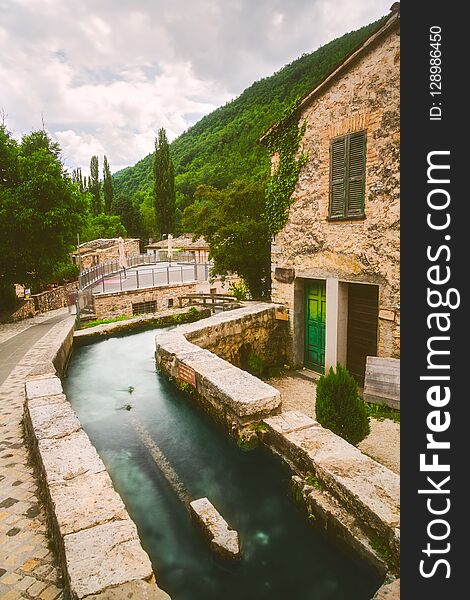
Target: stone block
<point>105,556</point>
<point>43,386</point>
<point>65,458</point>
<point>290,421</point>
<point>243,393</point>
<point>54,420</point>
<point>46,401</point>
<point>284,275</point>
<point>223,539</point>
<point>133,590</point>
<point>86,501</point>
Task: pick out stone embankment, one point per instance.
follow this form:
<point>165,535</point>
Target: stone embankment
<point>231,395</point>
<point>352,495</point>
<point>97,543</point>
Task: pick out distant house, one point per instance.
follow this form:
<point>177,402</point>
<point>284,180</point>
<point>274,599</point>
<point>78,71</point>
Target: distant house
<point>199,248</point>
<point>335,264</point>
<point>99,251</point>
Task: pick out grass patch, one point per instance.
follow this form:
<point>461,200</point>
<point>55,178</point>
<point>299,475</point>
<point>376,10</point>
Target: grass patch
<point>381,412</point>
<point>96,322</point>
<point>314,482</point>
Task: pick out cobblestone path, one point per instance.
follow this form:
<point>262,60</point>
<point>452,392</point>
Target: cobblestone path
<point>27,566</point>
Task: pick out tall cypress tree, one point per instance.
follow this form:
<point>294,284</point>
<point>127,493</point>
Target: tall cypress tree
<point>94,185</point>
<point>107,186</point>
<point>164,181</point>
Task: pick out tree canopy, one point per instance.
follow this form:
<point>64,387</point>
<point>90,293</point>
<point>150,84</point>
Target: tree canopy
<point>41,209</point>
<point>164,182</point>
<point>230,220</point>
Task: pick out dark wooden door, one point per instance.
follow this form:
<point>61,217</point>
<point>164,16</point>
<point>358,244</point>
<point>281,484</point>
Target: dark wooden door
<point>363,315</point>
<point>315,325</point>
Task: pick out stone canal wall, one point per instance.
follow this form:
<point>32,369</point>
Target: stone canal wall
<point>97,543</point>
<point>233,396</point>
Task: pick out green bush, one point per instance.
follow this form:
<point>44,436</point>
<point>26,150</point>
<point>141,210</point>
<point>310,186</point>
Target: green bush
<point>339,406</point>
<point>240,290</point>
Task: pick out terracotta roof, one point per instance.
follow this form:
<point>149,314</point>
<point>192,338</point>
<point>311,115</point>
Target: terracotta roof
<point>364,47</point>
<point>185,242</point>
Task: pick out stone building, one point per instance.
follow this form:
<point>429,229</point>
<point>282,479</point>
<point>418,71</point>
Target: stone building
<point>97,252</point>
<point>335,265</point>
<point>198,249</point>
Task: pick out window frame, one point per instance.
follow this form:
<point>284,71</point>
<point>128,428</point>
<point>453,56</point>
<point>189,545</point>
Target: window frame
<point>346,179</point>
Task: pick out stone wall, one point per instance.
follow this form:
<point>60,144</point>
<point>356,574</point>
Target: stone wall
<point>56,298</point>
<point>100,256</point>
<point>258,334</point>
<point>231,395</point>
<point>24,311</point>
<point>365,97</point>
<point>97,543</point>
<point>115,304</point>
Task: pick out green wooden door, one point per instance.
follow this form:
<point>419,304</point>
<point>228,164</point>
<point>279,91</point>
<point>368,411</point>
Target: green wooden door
<point>315,325</point>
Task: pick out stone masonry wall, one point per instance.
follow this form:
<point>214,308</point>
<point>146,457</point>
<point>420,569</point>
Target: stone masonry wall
<point>131,248</point>
<point>97,543</point>
<point>233,340</point>
<point>116,304</point>
<point>366,97</point>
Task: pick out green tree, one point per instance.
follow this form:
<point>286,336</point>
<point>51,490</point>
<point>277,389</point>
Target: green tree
<point>94,185</point>
<point>107,186</point>
<point>41,209</point>
<point>130,216</point>
<point>164,182</point>
<point>231,222</point>
<point>102,226</point>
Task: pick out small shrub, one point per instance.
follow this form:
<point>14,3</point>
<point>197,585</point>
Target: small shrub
<point>339,406</point>
<point>240,290</point>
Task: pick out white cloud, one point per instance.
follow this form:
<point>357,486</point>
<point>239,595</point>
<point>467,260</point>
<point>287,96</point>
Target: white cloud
<point>108,74</point>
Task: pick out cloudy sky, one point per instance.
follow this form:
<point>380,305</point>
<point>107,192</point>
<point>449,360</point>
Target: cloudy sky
<point>106,74</point>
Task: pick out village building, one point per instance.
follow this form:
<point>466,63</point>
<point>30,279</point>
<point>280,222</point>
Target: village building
<point>198,250</point>
<point>97,252</point>
<point>335,264</point>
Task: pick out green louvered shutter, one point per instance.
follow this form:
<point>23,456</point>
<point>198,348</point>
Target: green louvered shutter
<point>338,177</point>
<point>356,174</point>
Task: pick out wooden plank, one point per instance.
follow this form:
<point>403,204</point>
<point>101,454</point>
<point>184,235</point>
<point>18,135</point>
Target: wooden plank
<point>382,381</point>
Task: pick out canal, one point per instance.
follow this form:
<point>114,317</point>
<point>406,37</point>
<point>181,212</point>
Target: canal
<point>161,451</point>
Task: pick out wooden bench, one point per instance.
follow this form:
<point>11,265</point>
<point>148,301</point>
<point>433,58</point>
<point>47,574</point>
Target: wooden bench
<point>382,381</point>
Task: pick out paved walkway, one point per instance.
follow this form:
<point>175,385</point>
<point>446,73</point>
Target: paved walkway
<point>27,566</point>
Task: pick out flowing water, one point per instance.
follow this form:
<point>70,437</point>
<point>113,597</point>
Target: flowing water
<point>164,451</point>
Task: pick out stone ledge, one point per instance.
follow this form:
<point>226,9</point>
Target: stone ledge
<point>223,539</point>
<point>389,591</point>
<point>238,394</point>
<point>97,543</point>
<point>369,491</point>
<point>104,557</point>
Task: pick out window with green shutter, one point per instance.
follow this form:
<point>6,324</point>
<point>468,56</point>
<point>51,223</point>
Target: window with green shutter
<point>347,176</point>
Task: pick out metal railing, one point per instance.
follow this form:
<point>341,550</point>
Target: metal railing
<point>94,274</point>
<point>135,279</point>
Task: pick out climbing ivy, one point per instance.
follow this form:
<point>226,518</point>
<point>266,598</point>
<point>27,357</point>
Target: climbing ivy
<point>284,139</point>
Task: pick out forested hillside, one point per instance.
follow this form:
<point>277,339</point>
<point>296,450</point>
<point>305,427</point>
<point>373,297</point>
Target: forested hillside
<point>222,146</point>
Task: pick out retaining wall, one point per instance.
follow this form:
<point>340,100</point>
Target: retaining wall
<point>97,543</point>
<point>194,356</point>
<point>115,304</point>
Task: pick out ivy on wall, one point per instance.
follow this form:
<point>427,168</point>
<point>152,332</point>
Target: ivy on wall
<point>284,139</point>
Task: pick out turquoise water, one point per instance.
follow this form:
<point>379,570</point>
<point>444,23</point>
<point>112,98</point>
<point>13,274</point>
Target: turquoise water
<point>283,558</point>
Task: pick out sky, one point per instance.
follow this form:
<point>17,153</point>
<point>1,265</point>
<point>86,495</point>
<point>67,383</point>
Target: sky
<point>105,75</point>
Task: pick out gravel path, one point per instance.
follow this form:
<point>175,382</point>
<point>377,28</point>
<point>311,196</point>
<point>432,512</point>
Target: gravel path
<point>383,442</point>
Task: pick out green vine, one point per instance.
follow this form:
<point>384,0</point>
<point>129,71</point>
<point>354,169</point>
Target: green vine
<point>284,139</point>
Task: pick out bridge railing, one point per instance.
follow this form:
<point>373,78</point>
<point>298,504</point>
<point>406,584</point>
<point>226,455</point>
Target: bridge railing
<point>96,273</point>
